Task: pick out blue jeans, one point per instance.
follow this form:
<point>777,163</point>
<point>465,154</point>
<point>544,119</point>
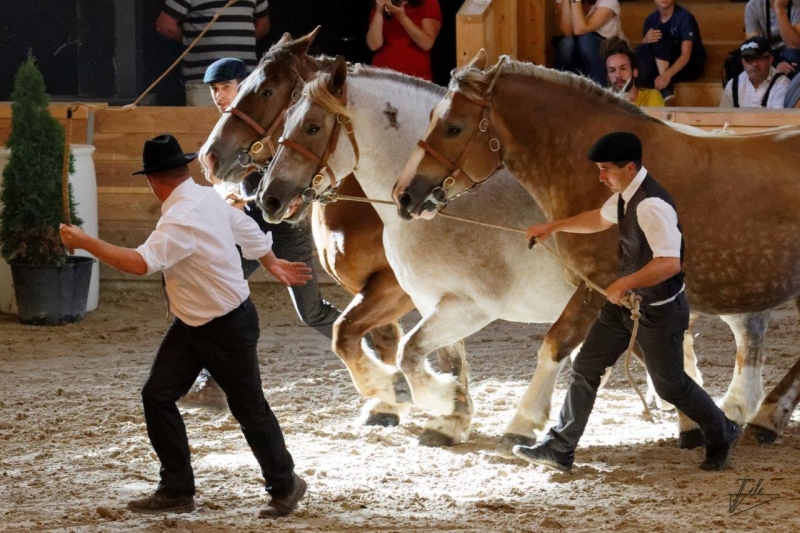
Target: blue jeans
<point>581,54</point>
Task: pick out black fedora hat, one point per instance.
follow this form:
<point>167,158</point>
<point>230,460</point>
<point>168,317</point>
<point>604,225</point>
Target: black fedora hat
<point>163,153</point>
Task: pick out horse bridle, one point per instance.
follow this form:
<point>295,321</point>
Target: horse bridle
<point>438,196</point>
<point>311,194</point>
<point>247,157</point>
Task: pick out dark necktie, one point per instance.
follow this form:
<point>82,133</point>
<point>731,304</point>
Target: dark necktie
<point>620,209</point>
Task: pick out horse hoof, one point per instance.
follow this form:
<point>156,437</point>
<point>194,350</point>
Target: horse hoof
<point>689,440</point>
<point>386,420</point>
<point>402,391</point>
<point>436,439</point>
<point>762,434</point>
<point>507,442</point>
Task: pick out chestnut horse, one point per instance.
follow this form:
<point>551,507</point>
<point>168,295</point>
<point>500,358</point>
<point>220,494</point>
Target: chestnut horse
<point>348,237</point>
<point>460,276</point>
<point>738,198</point>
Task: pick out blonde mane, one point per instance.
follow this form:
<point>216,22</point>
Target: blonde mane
<point>317,91</point>
<point>474,83</point>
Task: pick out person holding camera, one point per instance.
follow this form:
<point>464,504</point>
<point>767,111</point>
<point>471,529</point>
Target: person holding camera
<point>402,33</point>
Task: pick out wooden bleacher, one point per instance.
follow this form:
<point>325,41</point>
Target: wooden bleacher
<point>523,28</point>
<point>722,29</point>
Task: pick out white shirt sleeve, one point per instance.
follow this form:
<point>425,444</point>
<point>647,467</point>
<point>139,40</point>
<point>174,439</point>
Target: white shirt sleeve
<point>659,222</point>
<point>166,246</point>
<point>248,235</point>
<point>609,209</point>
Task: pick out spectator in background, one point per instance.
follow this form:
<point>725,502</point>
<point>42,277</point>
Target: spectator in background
<point>234,34</point>
<point>623,73</point>
<point>671,50</point>
<point>779,23</point>
<point>402,33</point>
<point>760,85</point>
<point>583,33</point>
<point>792,100</point>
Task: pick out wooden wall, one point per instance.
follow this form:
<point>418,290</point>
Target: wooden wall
<point>128,211</point>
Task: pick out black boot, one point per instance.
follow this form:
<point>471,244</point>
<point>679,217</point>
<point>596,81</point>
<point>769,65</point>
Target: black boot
<point>160,503</point>
<point>718,456</point>
<point>541,454</point>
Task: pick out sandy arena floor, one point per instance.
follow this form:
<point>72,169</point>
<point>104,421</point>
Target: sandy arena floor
<point>73,446</point>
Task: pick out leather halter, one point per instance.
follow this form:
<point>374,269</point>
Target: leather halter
<point>457,173</point>
<point>247,157</point>
<point>342,122</point>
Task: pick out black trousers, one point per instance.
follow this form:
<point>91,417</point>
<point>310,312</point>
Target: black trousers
<point>660,337</point>
<point>226,346</point>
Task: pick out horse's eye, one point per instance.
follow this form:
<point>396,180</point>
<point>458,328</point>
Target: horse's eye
<point>266,92</point>
<point>312,129</point>
<point>453,131</point>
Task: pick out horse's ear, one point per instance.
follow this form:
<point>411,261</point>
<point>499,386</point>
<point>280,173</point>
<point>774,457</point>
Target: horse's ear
<point>479,61</point>
<point>285,39</point>
<point>338,76</point>
<point>300,46</point>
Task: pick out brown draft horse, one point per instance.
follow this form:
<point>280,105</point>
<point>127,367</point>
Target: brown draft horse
<point>738,198</point>
<point>348,235</point>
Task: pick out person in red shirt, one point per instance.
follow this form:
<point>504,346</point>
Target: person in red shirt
<point>402,33</point>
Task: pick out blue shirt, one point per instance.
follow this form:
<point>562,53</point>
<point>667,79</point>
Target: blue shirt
<point>681,26</point>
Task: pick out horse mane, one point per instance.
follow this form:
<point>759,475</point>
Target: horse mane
<point>474,83</point>
<point>318,92</point>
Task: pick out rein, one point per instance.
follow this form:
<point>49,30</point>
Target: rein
<point>247,157</point>
<point>631,301</point>
<point>311,193</point>
<point>438,196</point>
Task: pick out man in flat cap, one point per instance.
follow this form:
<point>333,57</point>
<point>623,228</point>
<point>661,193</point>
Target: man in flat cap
<point>291,241</point>
<point>215,324</point>
<point>650,255</point>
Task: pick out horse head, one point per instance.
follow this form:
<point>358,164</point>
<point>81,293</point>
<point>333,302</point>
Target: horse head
<point>244,137</point>
<point>459,151</point>
<point>302,168</point>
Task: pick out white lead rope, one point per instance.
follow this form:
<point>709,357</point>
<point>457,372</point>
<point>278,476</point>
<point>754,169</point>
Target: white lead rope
<point>631,301</point>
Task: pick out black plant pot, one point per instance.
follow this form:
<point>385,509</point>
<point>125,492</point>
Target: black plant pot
<point>52,295</point>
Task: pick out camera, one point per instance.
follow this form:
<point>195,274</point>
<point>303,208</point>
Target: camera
<point>396,2</point>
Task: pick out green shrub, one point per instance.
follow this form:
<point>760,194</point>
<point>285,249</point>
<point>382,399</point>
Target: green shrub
<point>32,191</point>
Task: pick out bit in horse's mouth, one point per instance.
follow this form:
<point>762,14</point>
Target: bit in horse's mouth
<point>294,207</point>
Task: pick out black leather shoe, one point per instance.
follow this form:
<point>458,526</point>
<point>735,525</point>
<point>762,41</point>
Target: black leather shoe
<point>159,503</point>
<point>718,457</point>
<point>542,454</point>
<point>286,504</point>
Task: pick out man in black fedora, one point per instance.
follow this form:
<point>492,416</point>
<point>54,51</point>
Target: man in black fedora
<point>215,324</point>
<point>650,255</point>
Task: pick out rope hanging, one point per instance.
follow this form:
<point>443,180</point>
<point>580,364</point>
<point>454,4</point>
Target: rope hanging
<point>631,301</point>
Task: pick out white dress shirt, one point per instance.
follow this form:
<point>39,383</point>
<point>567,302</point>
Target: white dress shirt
<point>751,96</point>
<point>193,244</point>
<point>657,218</point>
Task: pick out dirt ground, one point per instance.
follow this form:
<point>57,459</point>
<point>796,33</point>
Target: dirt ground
<point>74,450</point>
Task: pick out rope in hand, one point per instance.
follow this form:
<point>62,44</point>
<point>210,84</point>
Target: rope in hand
<point>630,300</point>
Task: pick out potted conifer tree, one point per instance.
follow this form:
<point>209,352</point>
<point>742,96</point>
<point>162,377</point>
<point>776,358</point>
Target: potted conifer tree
<point>51,287</point>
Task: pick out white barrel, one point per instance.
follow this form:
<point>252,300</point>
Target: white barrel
<point>84,187</point>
